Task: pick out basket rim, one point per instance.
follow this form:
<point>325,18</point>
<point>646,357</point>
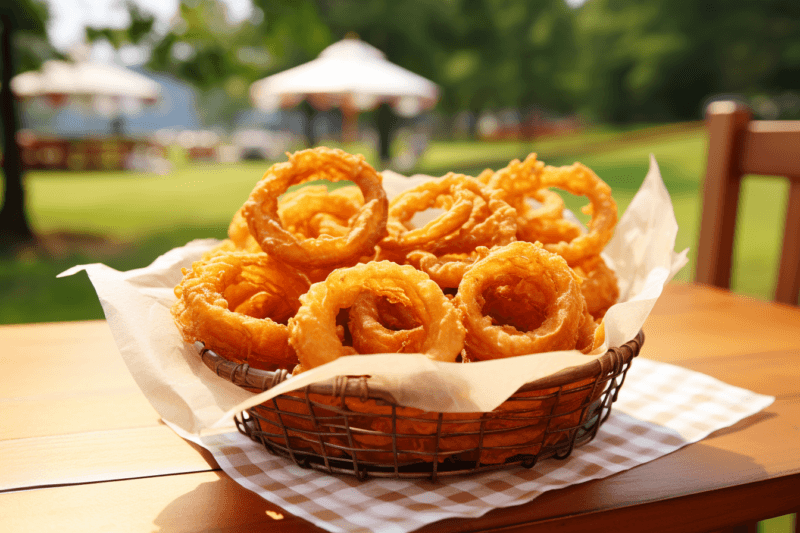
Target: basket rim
<point>244,375</point>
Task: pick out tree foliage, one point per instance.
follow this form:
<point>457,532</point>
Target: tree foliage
<point>662,59</point>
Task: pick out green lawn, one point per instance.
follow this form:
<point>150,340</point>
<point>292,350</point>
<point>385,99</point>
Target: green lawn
<point>149,214</point>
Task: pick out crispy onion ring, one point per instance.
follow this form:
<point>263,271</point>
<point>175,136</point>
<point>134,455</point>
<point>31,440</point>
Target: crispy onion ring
<point>591,334</point>
<point>239,234</point>
<point>519,179</point>
<point>236,304</point>
<point>379,326</point>
<point>442,249</point>
<point>522,181</point>
<point>579,180</point>
<point>548,282</point>
<point>312,210</point>
<point>365,230</point>
<point>492,222</point>
<point>447,193</point>
<point>446,270</point>
<point>313,329</point>
<point>599,285</point>
<point>544,223</point>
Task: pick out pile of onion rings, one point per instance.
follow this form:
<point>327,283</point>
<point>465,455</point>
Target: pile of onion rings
<point>317,272</point>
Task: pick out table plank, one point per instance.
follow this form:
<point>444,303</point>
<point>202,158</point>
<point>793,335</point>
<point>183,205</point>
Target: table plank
<point>62,414</point>
<point>67,378</point>
<point>710,469</point>
<point>61,358</point>
<point>180,503</point>
<point>98,456</point>
<point>696,322</point>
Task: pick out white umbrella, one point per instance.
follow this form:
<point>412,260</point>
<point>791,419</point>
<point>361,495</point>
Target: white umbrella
<point>349,74</point>
<point>58,80</point>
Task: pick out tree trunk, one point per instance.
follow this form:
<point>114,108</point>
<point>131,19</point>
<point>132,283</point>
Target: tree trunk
<point>14,228</point>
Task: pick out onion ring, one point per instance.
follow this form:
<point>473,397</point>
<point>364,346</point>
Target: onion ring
<point>378,326</point>
<point>550,279</point>
<point>235,303</point>
<point>599,285</point>
<point>366,229</point>
<point>447,193</point>
<point>312,330</point>
<point>578,179</point>
<point>312,210</point>
<point>446,270</point>
<point>443,249</point>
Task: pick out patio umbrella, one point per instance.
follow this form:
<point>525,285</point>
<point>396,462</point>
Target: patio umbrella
<point>351,75</point>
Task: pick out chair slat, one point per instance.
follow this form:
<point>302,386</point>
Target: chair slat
<point>771,148</point>
<point>720,194</point>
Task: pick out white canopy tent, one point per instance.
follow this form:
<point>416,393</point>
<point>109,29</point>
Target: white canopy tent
<point>351,75</point>
<point>105,83</point>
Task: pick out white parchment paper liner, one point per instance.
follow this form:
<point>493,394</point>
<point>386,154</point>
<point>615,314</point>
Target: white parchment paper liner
<point>190,396</point>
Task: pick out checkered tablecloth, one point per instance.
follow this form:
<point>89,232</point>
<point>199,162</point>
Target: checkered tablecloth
<point>661,408</point>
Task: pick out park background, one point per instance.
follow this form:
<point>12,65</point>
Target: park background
<point>604,82</point>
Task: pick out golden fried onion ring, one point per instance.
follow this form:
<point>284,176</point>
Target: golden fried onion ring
<point>236,304</point>
<point>447,193</point>
<point>548,282</point>
<point>365,230</point>
<point>312,210</point>
<point>599,285</point>
<point>313,329</point>
<point>579,180</point>
<point>441,251</point>
<point>379,326</point>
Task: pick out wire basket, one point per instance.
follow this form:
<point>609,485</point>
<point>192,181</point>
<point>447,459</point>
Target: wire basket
<point>350,427</point>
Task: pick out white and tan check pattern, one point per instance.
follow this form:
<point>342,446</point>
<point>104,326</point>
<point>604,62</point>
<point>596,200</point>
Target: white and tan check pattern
<point>661,408</point>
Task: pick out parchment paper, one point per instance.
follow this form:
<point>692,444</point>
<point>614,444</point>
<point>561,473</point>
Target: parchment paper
<point>190,396</point>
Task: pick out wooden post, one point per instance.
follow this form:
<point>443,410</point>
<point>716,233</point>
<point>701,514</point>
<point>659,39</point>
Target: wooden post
<point>788,285</point>
<point>726,122</point>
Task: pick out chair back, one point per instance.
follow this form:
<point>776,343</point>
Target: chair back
<point>739,146</point>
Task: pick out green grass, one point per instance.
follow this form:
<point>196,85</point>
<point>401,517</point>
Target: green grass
<point>149,214</point>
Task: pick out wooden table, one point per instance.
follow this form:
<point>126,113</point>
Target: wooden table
<point>82,450</point>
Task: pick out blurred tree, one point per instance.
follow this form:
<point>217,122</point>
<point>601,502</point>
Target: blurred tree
<point>20,19</point>
<point>660,60</point>
<point>222,58</point>
<point>139,29</point>
<point>483,53</point>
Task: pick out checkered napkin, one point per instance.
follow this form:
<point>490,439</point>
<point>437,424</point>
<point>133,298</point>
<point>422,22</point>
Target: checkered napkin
<point>661,408</point>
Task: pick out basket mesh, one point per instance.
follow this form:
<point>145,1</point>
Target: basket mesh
<point>348,428</point>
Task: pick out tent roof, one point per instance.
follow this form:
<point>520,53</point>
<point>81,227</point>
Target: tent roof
<point>349,72</point>
<point>84,78</point>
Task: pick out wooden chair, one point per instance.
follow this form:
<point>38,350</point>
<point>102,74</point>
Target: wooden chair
<point>738,146</point>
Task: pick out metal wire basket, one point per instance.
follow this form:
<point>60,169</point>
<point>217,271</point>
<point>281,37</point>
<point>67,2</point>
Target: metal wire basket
<point>350,427</point>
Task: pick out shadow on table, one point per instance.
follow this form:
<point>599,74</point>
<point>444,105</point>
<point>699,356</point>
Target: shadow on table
<point>223,505</point>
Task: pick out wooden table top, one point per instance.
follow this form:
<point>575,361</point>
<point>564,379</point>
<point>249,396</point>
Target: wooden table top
<point>81,449</point>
